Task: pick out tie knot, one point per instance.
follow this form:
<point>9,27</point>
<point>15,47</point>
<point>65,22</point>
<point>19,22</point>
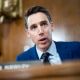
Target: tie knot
<point>45,57</point>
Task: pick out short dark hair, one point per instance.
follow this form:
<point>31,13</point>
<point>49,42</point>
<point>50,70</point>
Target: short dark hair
<point>36,9</point>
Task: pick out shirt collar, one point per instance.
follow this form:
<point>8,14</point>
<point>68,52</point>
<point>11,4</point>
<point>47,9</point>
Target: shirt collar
<point>39,52</point>
<point>52,50</point>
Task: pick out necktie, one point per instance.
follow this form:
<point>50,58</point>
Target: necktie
<point>45,57</point>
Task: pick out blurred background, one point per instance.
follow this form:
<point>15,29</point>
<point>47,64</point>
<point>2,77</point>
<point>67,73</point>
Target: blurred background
<point>13,38</point>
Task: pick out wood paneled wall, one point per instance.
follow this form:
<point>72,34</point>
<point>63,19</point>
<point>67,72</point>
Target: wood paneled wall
<point>66,18</point>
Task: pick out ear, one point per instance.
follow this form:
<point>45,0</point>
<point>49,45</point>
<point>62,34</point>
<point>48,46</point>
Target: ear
<point>52,26</point>
<point>27,33</point>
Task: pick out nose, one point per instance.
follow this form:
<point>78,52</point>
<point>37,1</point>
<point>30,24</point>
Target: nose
<point>40,30</point>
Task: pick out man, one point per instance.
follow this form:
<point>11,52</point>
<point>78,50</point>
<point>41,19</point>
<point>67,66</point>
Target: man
<point>39,28</point>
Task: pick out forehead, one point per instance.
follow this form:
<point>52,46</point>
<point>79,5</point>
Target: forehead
<point>36,18</point>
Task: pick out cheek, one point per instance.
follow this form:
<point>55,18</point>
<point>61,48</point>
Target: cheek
<point>33,36</point>
<point>48,32</point>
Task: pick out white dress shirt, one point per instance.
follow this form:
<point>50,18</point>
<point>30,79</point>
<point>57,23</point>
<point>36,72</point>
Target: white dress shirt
<point>54,57</point>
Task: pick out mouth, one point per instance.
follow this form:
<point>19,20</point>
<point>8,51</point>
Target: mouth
<point>43,40</point>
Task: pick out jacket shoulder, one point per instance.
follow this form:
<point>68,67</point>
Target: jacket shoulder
<point>68,50</point>
<point>26,54</point>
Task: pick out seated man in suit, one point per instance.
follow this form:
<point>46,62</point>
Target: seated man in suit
<point>39,27</point>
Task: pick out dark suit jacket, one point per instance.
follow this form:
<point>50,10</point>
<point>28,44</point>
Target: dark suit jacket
<point>66,50</point>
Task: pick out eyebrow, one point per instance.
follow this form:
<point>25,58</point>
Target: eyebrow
<point>43,21</point>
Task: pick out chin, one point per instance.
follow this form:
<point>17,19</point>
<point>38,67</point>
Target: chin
<point>44,47</point>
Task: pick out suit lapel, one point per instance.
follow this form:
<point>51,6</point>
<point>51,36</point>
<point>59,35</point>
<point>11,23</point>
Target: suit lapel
<point>34,55</point>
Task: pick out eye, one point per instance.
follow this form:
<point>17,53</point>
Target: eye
<point>44,23</point>
<point>33,27</point>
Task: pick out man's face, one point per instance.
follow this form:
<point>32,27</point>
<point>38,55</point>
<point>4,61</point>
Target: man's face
<point>40,30</point>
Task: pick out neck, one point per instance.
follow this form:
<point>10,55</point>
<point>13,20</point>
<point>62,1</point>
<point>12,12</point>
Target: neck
<point>46,48</point>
